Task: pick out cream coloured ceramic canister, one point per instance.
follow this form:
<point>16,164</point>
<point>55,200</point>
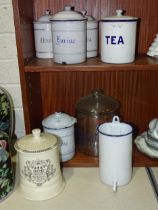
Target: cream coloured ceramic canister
<point>43,36</point>
<point>69,36</point>
<point>118,38</point>
<point>92,35</point>
<point>62,125</point>
<point>39,166</point>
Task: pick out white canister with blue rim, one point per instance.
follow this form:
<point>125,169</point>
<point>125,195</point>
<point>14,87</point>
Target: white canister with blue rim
<point>62,125</point>
<point>115,153</point>
<point>92,35</point>
<point>118,38</point>
<point>69,36</point>
<point>43,36</point>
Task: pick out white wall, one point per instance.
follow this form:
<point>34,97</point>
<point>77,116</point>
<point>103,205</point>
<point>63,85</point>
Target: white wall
<point>9,70</point>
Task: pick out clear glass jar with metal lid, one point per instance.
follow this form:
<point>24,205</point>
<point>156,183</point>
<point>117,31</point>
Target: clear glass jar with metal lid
<point>91,111</point>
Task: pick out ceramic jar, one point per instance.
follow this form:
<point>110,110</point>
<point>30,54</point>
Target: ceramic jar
<point>69,36</point>
<point>43,36</point>
<point>118,38</point>
<point>39,166</point>
<point>92,35</point>
<point>62,125</point>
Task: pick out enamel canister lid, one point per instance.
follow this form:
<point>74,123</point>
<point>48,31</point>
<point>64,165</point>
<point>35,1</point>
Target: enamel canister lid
<point>36,142</point>
<point>44,18</point>
<point>58,120</point>
<point>68,14</point>
<point>119,17</point>
<point>89,17</point>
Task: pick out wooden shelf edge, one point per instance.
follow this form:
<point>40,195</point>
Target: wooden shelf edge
<point>142,62</point>
<point>82,160</point>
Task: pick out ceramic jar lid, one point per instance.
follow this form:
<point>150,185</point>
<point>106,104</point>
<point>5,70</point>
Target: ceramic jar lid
<point>119,17</point>
<point>36,142</point>
<point>68,14</point>
<point>58,120</point>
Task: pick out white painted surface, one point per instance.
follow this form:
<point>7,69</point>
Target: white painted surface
<point>9,70</point>
<point>84,190</point>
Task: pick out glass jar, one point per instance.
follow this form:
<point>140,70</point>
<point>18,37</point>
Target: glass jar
<point>91,111</point>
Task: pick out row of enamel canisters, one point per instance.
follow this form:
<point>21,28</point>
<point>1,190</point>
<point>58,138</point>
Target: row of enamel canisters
<point>70,37</point>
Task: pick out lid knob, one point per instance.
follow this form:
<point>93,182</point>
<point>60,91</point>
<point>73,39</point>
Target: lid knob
<point>36,133</point>
<point>47,12</point>
<point>119,12</point>
<point>84,12</point>
<point>67,8</point>
<point>97,93</point>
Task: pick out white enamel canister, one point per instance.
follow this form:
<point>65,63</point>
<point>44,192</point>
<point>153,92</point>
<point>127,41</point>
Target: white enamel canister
<point>62,125</point>
<point>115,153</point>
<point>118,38</point>
<point>39,166</point>
<point>43,36</point>
<point>69,36</point>
<point>92,35</point>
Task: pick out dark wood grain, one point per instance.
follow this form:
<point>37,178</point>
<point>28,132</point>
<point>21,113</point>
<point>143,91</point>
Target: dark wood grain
<point>146,11</point>
<point>82,160</point>
<point>141,63</point>
<point>48,87</point>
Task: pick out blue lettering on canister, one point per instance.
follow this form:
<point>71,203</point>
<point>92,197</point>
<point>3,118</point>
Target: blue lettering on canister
<point>114,40</point>
<point>60,40</point>
<point>120,40</point>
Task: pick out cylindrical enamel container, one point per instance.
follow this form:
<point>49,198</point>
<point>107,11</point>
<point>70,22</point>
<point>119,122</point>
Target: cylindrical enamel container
<point>118,38</point>
<point>69,36</point>
<point>115,152</point>
<point>92,35</point>
<point>62,125</point>
<point>43,36</point>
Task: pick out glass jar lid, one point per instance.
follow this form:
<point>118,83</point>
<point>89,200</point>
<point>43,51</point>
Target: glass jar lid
<point>97,103</point>
<point>58,120</point>
<point>36,142</point>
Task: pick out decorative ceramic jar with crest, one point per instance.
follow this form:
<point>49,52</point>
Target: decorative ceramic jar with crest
<point>39,166</point>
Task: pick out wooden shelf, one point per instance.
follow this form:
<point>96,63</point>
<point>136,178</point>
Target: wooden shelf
<point>142,62</point>
<point>48,87</point>
<point>82,160</point>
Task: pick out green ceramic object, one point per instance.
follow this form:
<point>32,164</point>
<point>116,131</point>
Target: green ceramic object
<point>6,130</point>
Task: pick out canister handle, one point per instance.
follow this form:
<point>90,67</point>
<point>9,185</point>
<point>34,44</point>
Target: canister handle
<point>115,119</point>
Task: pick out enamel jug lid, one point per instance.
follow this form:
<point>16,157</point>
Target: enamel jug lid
<point>36,142</point>
<point>68,14</point>
<point>97,103</point>
<point>58,120</point>
<point>119,17</point>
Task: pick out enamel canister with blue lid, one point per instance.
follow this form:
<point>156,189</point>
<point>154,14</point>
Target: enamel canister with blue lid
<point>118,38</point>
